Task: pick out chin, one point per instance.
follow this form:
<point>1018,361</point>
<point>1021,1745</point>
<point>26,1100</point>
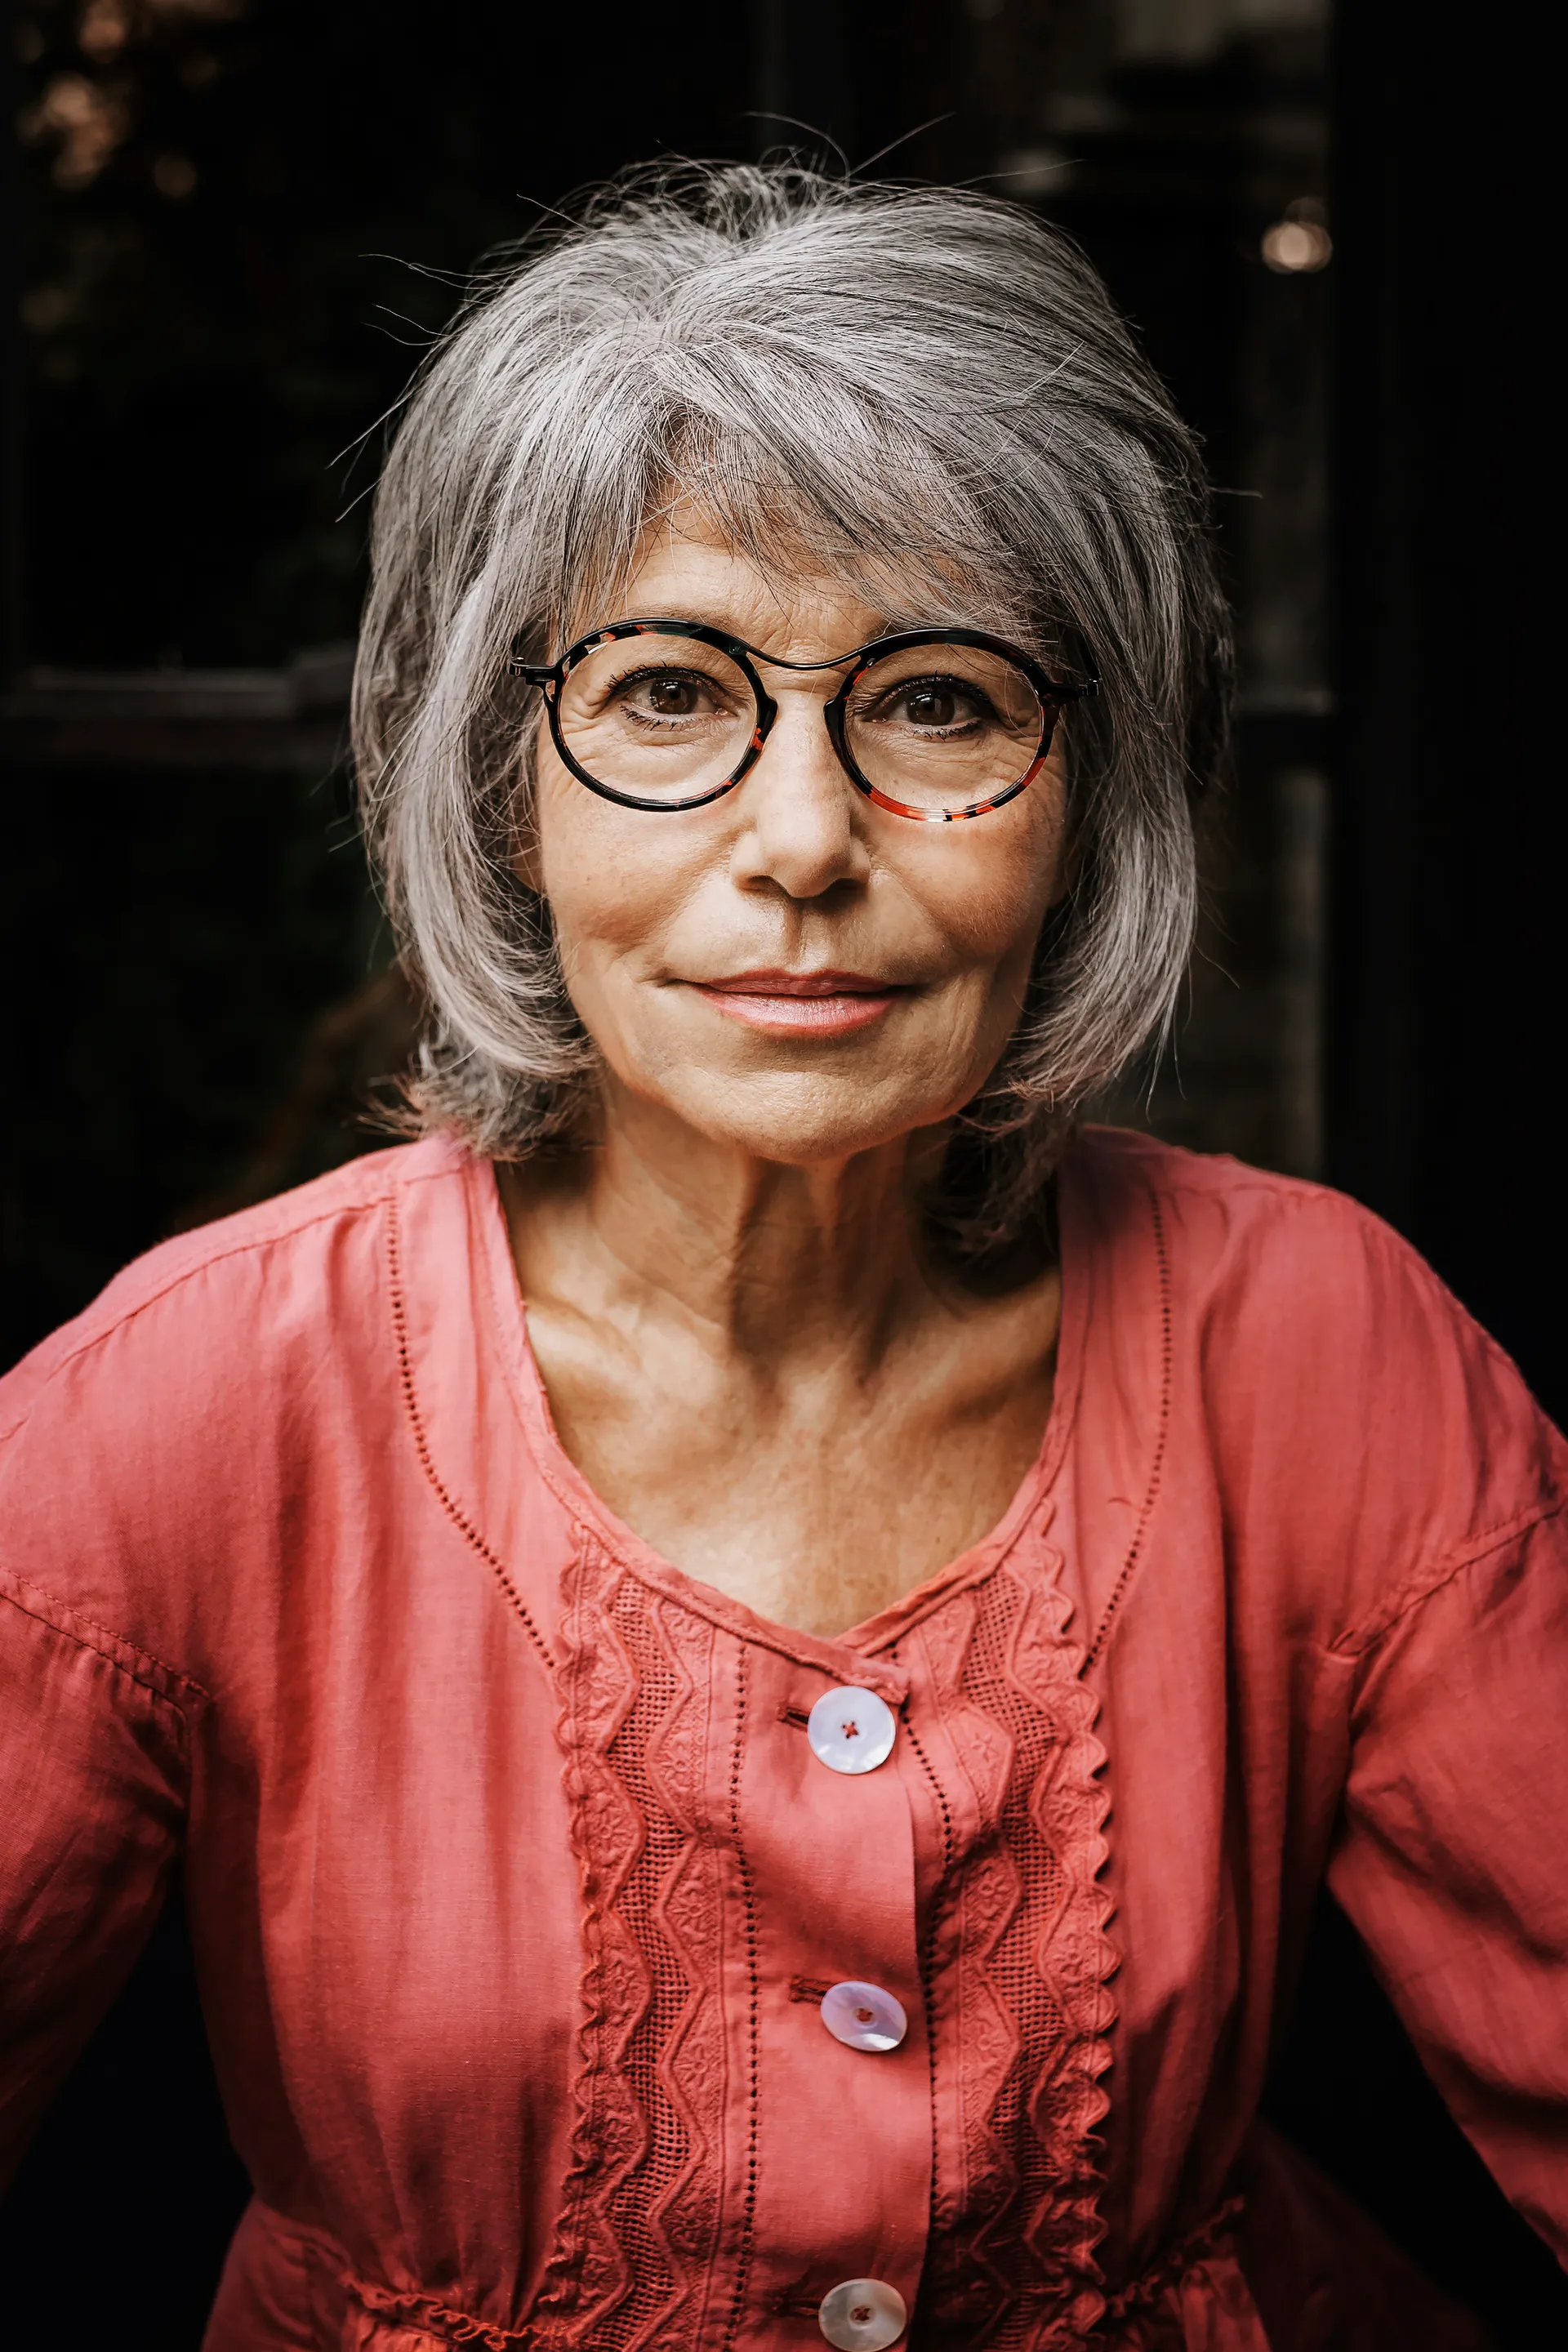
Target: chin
<point>803,1121</point>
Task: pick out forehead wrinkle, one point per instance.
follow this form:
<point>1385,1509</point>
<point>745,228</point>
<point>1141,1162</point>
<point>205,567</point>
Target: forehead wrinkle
<point>780,561</point>
<point>734,594</point>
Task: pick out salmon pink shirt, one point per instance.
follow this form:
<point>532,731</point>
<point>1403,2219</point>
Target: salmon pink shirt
<point>520,1869</point>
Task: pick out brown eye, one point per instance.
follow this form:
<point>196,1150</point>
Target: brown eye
<point>934,705</point>
<point>672,697</point>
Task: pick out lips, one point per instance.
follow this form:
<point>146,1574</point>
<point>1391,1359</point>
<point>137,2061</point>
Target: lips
<point>803,983</point>
<point>803,1003</point>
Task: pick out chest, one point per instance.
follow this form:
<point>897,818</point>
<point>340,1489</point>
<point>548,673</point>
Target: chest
<point>495,1969</point>
<point>820,1504</point>
<point>549,1915</point>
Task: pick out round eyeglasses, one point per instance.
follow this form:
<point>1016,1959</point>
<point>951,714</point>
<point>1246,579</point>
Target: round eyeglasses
<point>933,724</point>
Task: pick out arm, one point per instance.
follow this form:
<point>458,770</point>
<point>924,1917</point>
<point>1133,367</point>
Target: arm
<point>1452,1857</point>
<point>93,1758</point>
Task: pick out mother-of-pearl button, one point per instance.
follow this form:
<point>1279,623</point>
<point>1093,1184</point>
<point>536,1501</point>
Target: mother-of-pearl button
<point>862,2315</point>
<point>852,1731</point>
<point>864,2016</point>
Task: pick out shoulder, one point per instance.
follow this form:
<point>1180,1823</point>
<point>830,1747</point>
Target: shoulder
<point>1288,1256</point>
<point>1350,1405</point>
<point>232,1291</point>
<point>177,1436</point>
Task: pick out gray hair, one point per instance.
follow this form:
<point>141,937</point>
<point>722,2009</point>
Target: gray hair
<point>924,392</point>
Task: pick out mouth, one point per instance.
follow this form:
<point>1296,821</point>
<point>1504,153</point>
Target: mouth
<point>803,1003</point>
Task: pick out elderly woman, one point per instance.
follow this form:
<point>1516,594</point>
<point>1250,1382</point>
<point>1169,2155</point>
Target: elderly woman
<point>756,1645</point>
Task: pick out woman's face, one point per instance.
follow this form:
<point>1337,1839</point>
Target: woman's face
<point>792,970</point>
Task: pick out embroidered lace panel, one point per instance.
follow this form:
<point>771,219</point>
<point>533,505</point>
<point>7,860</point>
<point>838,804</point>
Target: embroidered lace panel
<point>1017,1972</point>
<point>1019,1961</point>
<point>639,2225</point>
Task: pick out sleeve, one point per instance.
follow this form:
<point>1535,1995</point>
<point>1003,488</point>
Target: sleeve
<point>95,1748</point>
<point>1452,1853</point>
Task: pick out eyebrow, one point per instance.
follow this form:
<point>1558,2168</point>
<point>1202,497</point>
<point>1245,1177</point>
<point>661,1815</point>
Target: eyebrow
<point>723,626</point>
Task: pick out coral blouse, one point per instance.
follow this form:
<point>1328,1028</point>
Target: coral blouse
<point>516,1880</point>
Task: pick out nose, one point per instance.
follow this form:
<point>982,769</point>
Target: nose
<point>800,830</point>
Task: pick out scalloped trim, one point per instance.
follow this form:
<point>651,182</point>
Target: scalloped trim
<point>1016,2262</point>
<point>635,2256</point>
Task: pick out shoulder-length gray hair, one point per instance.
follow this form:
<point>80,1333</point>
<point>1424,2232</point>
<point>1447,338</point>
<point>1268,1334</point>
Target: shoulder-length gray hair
<point>923,392</point>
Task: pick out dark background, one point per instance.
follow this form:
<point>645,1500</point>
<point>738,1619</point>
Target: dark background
<point>231,227</point>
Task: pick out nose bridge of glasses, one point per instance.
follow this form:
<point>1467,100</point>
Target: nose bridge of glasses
<point>818,689</point>
<point>828,661</point>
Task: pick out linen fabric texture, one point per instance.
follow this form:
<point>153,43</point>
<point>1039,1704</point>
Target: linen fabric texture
<point>514,1884</point>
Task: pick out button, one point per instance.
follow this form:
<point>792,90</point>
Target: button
<point>852,1731</point>
<point>862,2315</point>
<point>864,2017</point>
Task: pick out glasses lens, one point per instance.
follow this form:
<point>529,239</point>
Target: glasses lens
<point>662,719</point>
<point>944,728</point>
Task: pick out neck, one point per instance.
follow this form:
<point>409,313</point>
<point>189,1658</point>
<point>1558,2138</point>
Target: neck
<point>770,1262</point>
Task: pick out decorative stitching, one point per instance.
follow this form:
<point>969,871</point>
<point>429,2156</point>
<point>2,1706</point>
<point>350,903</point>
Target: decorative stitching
<point>1395,1606</point>
<point>213,1256</point>
<point>105,1633</point>
<point>1129,1564</point>
<point>926,1962</point>
<point>937,1790</point>
<point>464,1526</point>
<point>1014,2264</point>
<point>638,2232</point>
<point>748,1903</point>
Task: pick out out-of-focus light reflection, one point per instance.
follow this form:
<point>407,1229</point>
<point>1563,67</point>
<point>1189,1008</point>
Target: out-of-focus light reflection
<point>105,29</point>
<point>87,122</point>
<point>1292,246</point>
<point>174,177</point>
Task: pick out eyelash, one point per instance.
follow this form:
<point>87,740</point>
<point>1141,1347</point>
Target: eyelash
<point>961,691</point>
<point>639,676</point>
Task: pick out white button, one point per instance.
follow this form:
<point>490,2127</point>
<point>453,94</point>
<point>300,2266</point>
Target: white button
<point>862,2315</point>
<point>864,2016</point>
<point>852,1731</point>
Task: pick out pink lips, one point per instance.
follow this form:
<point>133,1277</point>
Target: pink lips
<point>802,1003</point>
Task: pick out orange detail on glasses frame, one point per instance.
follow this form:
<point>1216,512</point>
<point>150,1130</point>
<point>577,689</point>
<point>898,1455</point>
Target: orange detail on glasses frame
<point>1053,693</point>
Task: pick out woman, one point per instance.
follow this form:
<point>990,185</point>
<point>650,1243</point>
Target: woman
<point>775,1795</point>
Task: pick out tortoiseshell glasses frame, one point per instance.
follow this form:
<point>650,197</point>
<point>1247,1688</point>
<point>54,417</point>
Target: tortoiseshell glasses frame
<point>1051,693</point>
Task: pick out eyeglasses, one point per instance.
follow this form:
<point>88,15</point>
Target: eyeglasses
<point>933,724</point>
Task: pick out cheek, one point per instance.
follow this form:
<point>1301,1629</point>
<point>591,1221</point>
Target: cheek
<point>627,894</point>
<point>987,886</point>
<point>614,889</point>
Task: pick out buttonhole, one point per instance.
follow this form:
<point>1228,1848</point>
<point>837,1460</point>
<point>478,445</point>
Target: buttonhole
<point>796,2307</point>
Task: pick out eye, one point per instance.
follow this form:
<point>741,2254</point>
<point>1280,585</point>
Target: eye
<point>933,704</point>
<point>936,705</point>
<point>667,694</point>
<point>670,695</point>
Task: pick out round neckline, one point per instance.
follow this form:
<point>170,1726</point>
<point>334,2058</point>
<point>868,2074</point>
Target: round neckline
<point>1030,1504</point>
